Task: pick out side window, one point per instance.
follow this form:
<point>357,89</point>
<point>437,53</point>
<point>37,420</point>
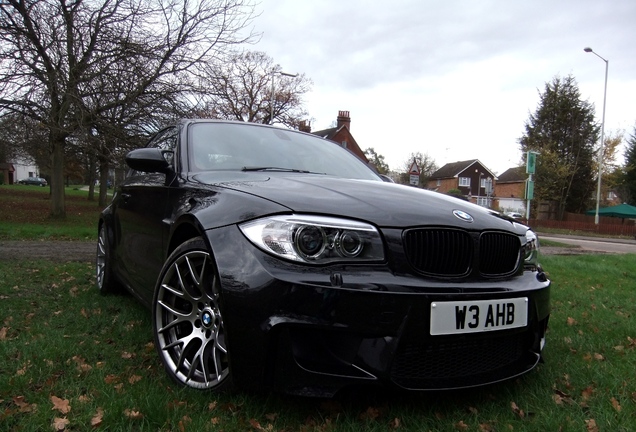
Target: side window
<point>464,181</point>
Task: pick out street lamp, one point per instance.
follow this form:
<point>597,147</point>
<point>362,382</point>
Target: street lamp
<point>600,150</point>
<point>271,98</point>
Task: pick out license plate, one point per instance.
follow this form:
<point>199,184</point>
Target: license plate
<point>456,317</point>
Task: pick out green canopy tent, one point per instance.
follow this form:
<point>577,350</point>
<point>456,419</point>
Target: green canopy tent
<point>624,211</point>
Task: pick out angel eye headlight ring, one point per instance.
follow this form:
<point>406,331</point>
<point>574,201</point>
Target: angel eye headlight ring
<point>310,241</point>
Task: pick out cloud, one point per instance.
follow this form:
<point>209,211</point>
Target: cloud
<point>455,79</point>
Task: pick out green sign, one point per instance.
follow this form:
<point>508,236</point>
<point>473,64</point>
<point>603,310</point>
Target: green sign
<point>531,162</point>
<point>529,189</point>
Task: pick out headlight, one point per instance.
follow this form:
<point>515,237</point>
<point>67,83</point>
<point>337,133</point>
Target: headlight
<point>531,250</point>
<point>315,239</point>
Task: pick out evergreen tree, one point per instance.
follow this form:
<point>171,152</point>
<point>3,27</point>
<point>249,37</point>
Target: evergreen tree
<point>564,133</point>
<point>630,170</point>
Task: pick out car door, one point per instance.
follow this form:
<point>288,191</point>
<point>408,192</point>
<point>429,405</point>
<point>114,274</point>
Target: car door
<point>140,213</point>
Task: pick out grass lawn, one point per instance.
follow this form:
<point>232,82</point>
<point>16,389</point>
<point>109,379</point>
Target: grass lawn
<point>24,215</point>
<point>73,358</point>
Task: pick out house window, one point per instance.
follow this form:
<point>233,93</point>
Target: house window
<point>439,182</point>
<point>464,181</point>
<point>344,144</point>
<point>483,201</point>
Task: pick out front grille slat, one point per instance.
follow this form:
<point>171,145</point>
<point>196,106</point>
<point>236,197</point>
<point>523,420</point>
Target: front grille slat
<point>446,252</point>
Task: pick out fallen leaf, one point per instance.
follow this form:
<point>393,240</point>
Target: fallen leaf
<point>23,370</point>
<point>59,424</point>
<point>133,414</point>
<point>371,413</point>
<point>23,405</point>
<point>215,420</point>
<point>61,405</point>
<point>587,393</point>
<point>591,425</point>
<point>461,426</point>
<point>616,405</point>
<point>256,425</point>
<point>517,410</point>
<point>598,357</point>
<point>271,416</point>
<point>485,427</point>
<point>84,398</point>
<point>82,366</point>
<point>473,410</point>
<point>98,418</point>
<point>111,378</point>
<point>183,422</point>
<point>126,355</point>
<point>212,405</point>
<point>134,379</point>
<point>3,333</point>
<point>395,423</point>
<point>571,321</point>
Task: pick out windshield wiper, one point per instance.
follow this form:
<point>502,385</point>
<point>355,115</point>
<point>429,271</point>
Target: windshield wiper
<point>270,168</point>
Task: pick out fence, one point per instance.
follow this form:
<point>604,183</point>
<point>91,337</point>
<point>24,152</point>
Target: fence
<point>614,227</point>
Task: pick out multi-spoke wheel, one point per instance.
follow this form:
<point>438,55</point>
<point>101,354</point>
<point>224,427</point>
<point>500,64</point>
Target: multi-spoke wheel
<point>104,275</point>
<point>187,321</point>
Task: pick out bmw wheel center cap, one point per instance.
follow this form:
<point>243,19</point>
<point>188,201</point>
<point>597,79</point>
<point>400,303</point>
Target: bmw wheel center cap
<point>207,318</point>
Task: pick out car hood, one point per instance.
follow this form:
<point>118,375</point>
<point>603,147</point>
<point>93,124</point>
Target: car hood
<point>381,203</point>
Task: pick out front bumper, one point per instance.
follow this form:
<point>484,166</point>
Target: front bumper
<point>314,330</point>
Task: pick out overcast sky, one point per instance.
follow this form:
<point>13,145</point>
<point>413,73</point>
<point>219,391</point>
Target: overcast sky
<point>454,79</point>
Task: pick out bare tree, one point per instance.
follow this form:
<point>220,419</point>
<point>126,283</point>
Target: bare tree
<point>56,54</point>
<point>248,86</point>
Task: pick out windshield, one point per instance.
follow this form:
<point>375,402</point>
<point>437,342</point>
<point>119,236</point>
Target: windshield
<point>218,146</point>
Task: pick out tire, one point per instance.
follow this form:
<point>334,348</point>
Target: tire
<point>105,279</point>
<point>187,320</point>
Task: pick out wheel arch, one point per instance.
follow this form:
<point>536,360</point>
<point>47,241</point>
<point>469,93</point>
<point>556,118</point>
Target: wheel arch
<point>184,230</point>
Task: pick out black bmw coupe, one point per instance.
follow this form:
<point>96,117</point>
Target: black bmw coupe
<point>276,259</point>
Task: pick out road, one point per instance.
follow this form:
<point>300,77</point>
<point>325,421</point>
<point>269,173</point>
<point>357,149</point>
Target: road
<point>594,244</point>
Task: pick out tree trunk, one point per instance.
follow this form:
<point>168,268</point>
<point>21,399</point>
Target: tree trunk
<point>103,181</point>
<point>91,177</point>
<point>58,209</point>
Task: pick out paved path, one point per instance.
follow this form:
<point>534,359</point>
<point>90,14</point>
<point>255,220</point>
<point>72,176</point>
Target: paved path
<point>594,244</point>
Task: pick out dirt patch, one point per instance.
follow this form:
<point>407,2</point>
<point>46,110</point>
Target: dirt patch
<point>62,251</point>
<point>555,250</point>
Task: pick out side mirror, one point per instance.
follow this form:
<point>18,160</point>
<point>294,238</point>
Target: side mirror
<point>149,160</point>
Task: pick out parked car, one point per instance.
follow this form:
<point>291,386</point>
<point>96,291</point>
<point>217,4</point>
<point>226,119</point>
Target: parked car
<point>276,259</point>
<point>37,181</point>
<point>514,215</point>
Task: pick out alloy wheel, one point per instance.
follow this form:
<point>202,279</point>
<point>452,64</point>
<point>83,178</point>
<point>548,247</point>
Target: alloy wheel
<point>188,323</point>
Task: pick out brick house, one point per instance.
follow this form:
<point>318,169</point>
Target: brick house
<point>471,177</point>
<point>340,134</point>
<point>510,190</point>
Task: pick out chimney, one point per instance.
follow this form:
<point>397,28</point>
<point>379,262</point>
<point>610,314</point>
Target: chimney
<point>304,126</point>
<point>344,119</point>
